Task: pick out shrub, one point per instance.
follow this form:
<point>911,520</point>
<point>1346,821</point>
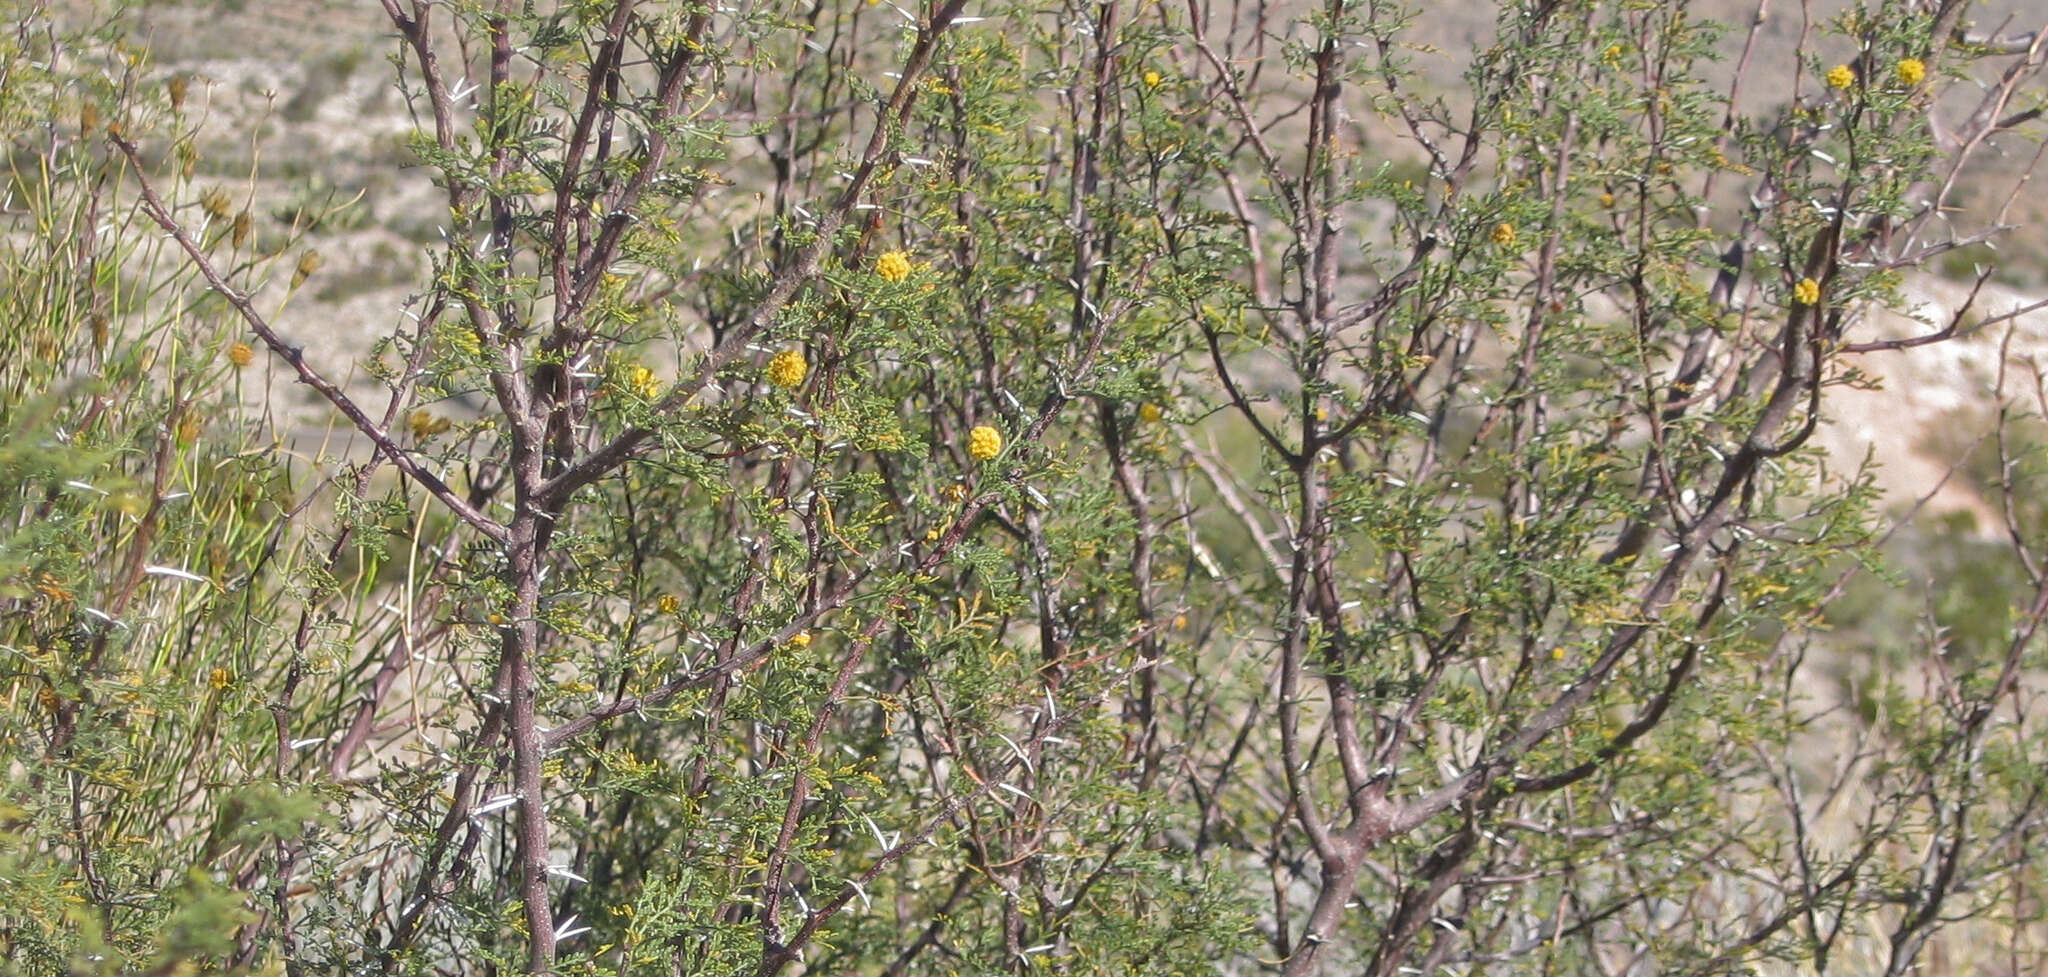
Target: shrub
<point>974,493</point>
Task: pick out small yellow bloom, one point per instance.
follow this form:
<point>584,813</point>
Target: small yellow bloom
<point>1150,413</point>
<point>1607,200</point>
<point>220,678</point>
<point>1152,79</point>
<point>955,492</point>
<point>801,639</point>
<point>241,355</point>
<point>893,266</point>
<point>984,442</point>
<point>425,425</point>
<point>1504,234</point>
<point>1912,71</point>
<point>643,382</point>
<point>787,369</point>
<point>1807,292</point>
<point>1841,76</point>
<point>668,604</point>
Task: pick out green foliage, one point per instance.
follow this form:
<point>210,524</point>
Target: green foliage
<point>1404,551</point>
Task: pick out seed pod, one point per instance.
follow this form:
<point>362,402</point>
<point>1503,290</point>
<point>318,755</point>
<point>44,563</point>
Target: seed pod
<point>309,262</point>
<point>216,203</point>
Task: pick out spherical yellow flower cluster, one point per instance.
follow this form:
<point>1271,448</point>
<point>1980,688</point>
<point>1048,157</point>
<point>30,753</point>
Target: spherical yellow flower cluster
<point>425,425</point>
<point>644,382</point>
<point>241,355</point>
<point>1152,79</point>
<point>984,442</point>
<point>1841,76</point>
<point>1807,292</point>
<point>893,266</point>
<point>1912,71</point>
<point>801,639</point>
<point>1504,234</point>
<point>787,369</point>
<point>1150,413</point>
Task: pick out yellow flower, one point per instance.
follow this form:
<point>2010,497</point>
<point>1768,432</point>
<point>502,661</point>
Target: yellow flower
<point>1152,79</point>
<point>893,266</point>
<point>220,678</point>
<point>1841,76</point>
<point>425,425</point>
<point>1807,292</point>
<point>668,604</point>
<point>1150,413</point>
<point>1504,234</point>
<point>801,639</point>
<point>644,382</point>
<point>1912,71</point>
<point>1607,200</point>
<point>984,442</point>
<point>241,355</point>
<point>787,369</point>
<point>955,492</point>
